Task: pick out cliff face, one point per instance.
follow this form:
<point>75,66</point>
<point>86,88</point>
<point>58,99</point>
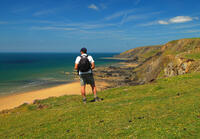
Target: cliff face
<point>174,58</point>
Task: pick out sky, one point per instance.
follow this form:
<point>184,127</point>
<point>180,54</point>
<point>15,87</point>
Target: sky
<point>98,25</point>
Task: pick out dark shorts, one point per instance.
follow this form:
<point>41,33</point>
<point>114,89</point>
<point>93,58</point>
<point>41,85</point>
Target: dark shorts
<point>87,79</point>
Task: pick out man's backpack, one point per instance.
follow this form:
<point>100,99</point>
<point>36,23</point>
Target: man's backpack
<point>84,64</point>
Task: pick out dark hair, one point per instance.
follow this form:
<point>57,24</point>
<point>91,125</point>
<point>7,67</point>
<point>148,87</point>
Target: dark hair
<point>84,50</point>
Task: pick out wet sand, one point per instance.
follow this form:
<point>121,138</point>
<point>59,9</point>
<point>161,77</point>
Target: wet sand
<point>15,100</point>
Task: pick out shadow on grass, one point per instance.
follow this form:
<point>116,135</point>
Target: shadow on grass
<point>93,100</point>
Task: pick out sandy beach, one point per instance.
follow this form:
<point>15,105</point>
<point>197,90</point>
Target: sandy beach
<point>15,100</point>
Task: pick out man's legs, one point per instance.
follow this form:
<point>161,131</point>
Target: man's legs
<point>83,91</point>
<point>88,79</point>
<point>94,90</point>
<point>83,84</point>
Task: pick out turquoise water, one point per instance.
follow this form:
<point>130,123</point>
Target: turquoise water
<point>29,71</point>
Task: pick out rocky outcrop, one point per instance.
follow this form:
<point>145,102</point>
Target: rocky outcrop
<point>116,75</point>
<point>179,67</point>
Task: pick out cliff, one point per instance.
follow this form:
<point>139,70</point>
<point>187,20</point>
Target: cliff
<point>173,58</point>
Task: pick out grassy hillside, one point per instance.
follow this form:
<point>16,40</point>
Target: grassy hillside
<point>141,53</point>
<point>173,58</point>
<point>167,108</point>
<point>186,46</point>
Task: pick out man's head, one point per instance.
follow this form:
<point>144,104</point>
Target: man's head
<point>83,50</point>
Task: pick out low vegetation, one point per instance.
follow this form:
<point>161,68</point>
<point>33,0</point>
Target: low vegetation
<point>195,55</point>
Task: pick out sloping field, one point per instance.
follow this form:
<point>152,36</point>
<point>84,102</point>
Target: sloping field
<point>167,108</point>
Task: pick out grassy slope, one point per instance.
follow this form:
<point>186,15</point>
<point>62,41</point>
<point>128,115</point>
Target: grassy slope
<point>194,55</point>
<point>183,46</point>
<point>168,108</point>
<point>171,48</point>
<point>141,52</point>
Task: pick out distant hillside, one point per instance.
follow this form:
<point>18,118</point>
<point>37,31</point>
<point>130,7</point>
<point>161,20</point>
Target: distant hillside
<point>140,53</point>
<point>173,58</point>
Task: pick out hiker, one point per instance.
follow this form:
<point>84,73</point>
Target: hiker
<point>84,65</point>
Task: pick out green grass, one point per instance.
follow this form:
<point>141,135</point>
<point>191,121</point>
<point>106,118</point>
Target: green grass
<point>173,41</point>
<point>195,55</point>
<point>171,52</point>
<point>150,53</point>
<point>168,108</point>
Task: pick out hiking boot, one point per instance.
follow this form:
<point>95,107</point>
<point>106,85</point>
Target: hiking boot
<point>97,99</point>
<point>84,100</point>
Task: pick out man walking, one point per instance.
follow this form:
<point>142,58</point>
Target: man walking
<point>84,65</point>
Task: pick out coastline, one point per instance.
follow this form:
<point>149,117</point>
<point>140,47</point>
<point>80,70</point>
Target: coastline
<point>56,89</point>
<point>24,72</point>
<point>30,88</point>
<point>14,100</point>
<point>105,77</point>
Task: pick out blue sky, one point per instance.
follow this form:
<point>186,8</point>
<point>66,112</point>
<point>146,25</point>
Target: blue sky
<point>99,25</point>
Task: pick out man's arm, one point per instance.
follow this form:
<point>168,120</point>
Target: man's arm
<point>92,65</point>
<point>76,67</point>
<point>76,63</point>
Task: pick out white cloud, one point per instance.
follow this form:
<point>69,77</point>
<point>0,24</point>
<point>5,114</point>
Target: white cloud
<point>162,22</point>
<point>178,19</point>
<point>93,6</point>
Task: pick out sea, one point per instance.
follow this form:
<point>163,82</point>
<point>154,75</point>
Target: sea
<point>21,72</point>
